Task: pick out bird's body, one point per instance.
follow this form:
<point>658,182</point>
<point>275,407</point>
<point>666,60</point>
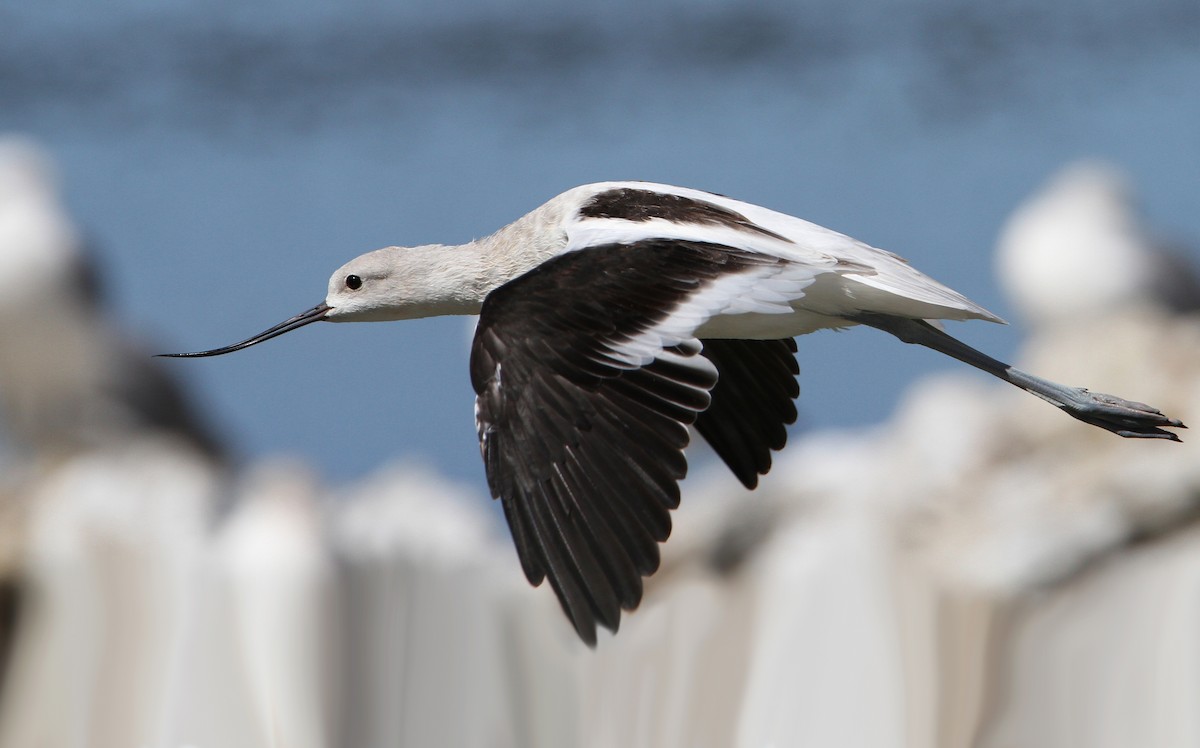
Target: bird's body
<point>819,277</point>
<point>618,314</point>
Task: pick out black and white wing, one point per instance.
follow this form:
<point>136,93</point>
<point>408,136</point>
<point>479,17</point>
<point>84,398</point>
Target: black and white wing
<point>752,404</point>
<point>587,375</point>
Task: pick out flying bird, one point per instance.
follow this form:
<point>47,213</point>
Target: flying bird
<point>617,315</point>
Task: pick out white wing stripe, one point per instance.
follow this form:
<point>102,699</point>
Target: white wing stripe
<point>739,292</point>
<point>593,232</point>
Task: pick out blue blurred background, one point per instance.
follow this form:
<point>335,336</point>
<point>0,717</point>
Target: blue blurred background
<point>224,158</point>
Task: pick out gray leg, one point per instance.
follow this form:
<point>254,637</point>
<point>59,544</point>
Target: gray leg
<point>1122,417</point>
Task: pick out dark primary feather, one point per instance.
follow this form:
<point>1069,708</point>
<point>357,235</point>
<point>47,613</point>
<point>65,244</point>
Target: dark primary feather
<point>583,449</point>
<point>752,404</point>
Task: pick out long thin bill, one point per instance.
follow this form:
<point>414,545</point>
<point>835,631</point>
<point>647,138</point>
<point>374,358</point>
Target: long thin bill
<point>316,314</point>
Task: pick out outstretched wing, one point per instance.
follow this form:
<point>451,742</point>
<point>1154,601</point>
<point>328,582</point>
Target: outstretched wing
<point>752,403</point>
<point>587,376</point>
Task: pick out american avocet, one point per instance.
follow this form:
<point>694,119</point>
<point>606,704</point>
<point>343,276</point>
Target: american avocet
<point>618,314</point>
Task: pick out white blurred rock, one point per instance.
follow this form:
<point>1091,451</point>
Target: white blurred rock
<point>1078,248</point>
<point>277,570</point>
<point>110,565</point>
<point>423,590</point>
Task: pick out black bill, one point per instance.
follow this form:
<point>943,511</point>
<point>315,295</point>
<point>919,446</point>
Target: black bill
<point>316,314</point>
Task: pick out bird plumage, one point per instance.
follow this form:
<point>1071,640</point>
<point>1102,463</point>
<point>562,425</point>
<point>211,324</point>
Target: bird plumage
<point>619,314</point>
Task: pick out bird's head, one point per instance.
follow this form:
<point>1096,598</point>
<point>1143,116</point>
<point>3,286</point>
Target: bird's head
<point>393,283</point>
<point>396,283</point>
<point>369,288</point>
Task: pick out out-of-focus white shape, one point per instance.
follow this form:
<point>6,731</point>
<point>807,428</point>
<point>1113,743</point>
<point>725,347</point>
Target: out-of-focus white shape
<point>423,590</point>
<point>1108,661</point>
<point>39,245</point>
<point>825,653</point>
<point>407,509</point>
<point>108,506</point>
<point>674,675</point>
<point>68,380</point>
<point>277,575</point>
<point>114,543</point>
<point>1077,248</point>
<point>945,429</point>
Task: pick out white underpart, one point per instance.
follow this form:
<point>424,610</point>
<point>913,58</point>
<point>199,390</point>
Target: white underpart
<point>766,290</point>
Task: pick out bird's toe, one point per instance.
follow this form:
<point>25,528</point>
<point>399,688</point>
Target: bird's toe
<point>1125,418</point>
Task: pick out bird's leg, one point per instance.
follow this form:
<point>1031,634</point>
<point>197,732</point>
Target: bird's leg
<point>1122,417</point>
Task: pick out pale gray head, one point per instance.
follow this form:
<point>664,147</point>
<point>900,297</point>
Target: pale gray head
<point>401,283</point>
<point>393,283</point>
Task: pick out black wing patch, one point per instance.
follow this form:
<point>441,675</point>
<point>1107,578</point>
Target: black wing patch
<point>631,204</point>
<point>752,404</point>
<point>584,447</point>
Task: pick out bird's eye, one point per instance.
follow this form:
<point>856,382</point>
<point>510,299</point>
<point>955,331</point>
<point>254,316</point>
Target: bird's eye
<point>353,282</point>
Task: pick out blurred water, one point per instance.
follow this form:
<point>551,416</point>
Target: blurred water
<point>225,158</point>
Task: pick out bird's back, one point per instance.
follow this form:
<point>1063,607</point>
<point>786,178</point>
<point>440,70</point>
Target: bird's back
<point>848,277</point>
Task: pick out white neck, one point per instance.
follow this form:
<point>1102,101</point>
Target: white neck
<point>438,279</point>
<point>471,271</point>
<point>460,277</point>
